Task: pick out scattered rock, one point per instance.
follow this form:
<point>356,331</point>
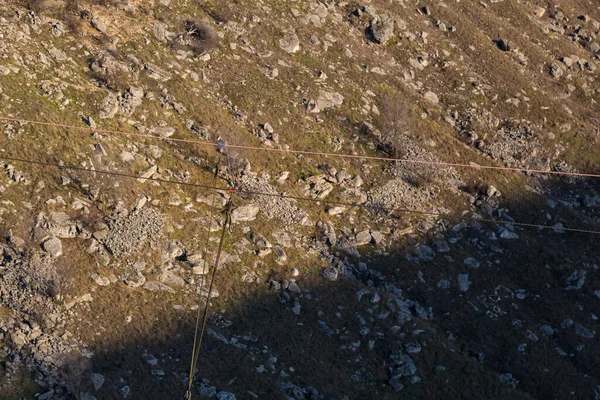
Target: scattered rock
<point>508,380</point>
<point>431,97</point>
<point>97,381</point>
<point>555,70</point>
<point>463,282</point>
<point>53,247</point>
<point>576,280</point>
<point>109,107</point>
<point>244,213</point>
<point>329,100</point>
<point>330,273</point>
<point>148,174</point>
<point>425,252</point>
<point>471,263</point>
<point>99,24</point>
<point>157,73</point>
<point>290,44</point>
<point>394,382</point>
<point>100,280</point>
<point>363,238</point>
<point>154,286</point>
<point>382,28</point>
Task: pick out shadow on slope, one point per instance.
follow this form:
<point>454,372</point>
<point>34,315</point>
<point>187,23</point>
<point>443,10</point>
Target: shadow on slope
<point>467,316</point>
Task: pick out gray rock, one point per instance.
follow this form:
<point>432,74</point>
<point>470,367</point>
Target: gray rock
<point>361,293</point>
<point>363,238</point>
<point>53,247</point>
<point>165,131</point>
<point>507,234</point>
<point>154,286</point>
<point>375,298</point>
<point>576,280</point>
<point>413,347</point>
<point>584,332</point>
<point>382,28</point>
<point>395,383</point>
<point>201,269</point>
<point>156,72</point>
<point>279,252</point>
<point>377,237</point>
<point>225,396</point>
<point>441,246</point>
<point>547,330</point>
<point>425,252</point>
<point>290,44</point>
<point>555,70</point>
<point>100,280</point>
<point>508,380</point>
<point>431,97</point>
<point>597,293</point>
<point>330,273</point>
<point>109,107</point>
<point>171,279</point>
<point>294,288</point>
<point>296,308</point>
<point>148,174</point>
<point>403,365</point>
<point>463,282</point>
<point>244,213</point>
<point>471,263</point>
<point>97,381</point>
<point>443,284</point>
<point>99,24</point>
<point>208,391</point>
<point>329,100</point>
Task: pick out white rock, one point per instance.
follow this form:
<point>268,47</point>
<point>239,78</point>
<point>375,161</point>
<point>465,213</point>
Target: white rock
<point>53,247</point>
<point>363,238</point>
<point>329,100</point>
<point>100,280</point>
<point>336,210</point>
<point>127,156</point>
<point>148,174</point>
<point>244,213</point>
<point>99,24</point>
<point>432,97</point>
<point>290,44</point>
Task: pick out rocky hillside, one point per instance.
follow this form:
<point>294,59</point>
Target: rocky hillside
<point>345,275</point>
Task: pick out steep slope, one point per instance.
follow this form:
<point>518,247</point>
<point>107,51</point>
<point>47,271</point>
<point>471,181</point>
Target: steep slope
<point>468,269</point>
